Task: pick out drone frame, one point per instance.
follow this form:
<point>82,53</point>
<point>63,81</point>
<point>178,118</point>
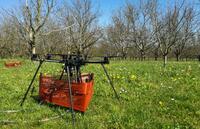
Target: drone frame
<point>72,63</point>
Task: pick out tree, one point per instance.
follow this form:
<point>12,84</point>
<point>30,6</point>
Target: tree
<point>10,42</point>
<point>117,35</point>
<point>167,26</point>
<point>34,16</point>
<point>121,33</point>
<point>131,29</point>
<point>143,41</point>
<point>186,33</point>
<point>83,32</point>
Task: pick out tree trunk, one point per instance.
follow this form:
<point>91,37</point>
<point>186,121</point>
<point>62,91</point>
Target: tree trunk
<point>124,56</point>
<point>177,56</point>
<point>156,58</point>
<point>165,60</point>
<point>142,55</point>
<point>31,48</point>
<point>156,54</point>
<point>32,43</point>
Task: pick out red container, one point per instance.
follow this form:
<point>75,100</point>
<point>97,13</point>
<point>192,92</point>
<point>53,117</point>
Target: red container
<point>12,64</point>
<point>57,91</point>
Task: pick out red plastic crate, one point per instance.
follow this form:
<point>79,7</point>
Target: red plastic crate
<point>12,64</point>
<point>57,91</point>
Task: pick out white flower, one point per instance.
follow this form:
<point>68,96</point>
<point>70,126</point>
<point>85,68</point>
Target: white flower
<point>122,90</point>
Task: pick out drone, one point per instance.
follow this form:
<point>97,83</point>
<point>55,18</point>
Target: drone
<point>63,91</point>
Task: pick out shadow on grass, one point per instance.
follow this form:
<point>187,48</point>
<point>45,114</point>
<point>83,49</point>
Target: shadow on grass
<point>55,108</point>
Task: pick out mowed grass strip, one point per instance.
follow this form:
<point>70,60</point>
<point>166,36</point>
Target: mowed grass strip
<point>151,97</point>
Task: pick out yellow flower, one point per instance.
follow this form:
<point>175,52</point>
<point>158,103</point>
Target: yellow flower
<point>161,103</point>
<point>174,79</point>
<point>133,77</point>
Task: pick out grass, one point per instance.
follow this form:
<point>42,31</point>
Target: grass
<point>151,97</point>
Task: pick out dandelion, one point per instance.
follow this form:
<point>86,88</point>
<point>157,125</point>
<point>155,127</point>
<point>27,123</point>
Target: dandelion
<point>133,77</point>
<point>161,103</point>
<point>174,79</point>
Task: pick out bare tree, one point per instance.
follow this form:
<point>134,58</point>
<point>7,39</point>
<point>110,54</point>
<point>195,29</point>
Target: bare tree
<point>186,33</point>
<point>34,16</point>
<point>118,34</point>
<point>84,31</point>
<point>131,29</point>
<point>135,30</point>
<point>122,32</point>
<point>167,26</point>
<point>10,41</point>
<point>144,33</point>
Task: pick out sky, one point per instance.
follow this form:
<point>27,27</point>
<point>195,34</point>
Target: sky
<point>106,7</point>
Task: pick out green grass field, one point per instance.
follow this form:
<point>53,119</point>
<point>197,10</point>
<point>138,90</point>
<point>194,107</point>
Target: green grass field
<point>152,97</point>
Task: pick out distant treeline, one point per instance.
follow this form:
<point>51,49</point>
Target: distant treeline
<point>143,31</point>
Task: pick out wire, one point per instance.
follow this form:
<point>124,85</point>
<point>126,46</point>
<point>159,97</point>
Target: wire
<point>10,111</point>
<point>6,122</point>
<point>15,111</point>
